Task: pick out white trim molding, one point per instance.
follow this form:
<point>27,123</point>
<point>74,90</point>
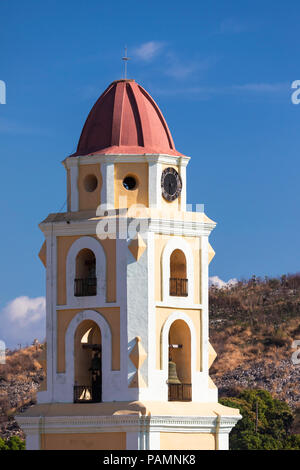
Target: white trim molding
<point>128,158</point>
<point>74,188</point>
<point>182,172</point>
<point>108,184</point>
<point>165,226</point>
<point>142,432</point>
<point>106,343</point>
<point>165,347</point>
<point>95,246</point>
<point>173,244</point>
<point>154,184</point>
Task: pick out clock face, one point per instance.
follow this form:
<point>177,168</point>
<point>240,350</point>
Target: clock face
<point>171,184</point>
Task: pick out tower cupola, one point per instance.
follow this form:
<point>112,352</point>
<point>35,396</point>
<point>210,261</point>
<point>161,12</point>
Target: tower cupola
<point>125,120</point>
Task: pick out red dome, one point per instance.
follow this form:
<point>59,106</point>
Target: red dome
<point>125,120</point>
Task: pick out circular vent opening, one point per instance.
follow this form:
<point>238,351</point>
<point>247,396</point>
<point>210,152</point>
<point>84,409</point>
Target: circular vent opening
<point>129,183</point>
<point>90,183</point>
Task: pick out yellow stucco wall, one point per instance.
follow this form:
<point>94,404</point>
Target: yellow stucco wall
<point>89,200</point>
<point>63,246</point>
<point>160,243</point>
<point>84,441</point>
<point>162,314</point>
<point>64,317</point>
<point>136,196</point>
<point>187,441</point>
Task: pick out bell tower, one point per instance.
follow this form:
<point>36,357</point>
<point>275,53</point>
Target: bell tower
<point>128,352</point>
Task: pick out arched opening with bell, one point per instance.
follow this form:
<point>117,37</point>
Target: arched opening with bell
<point>88,363</point>
<point>179,370</point>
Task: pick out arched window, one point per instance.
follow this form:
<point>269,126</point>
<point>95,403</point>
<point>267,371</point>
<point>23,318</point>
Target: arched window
<point>178,277</point>
<point>179,377</point>
<point>88,363</point>
<point>85,280</point>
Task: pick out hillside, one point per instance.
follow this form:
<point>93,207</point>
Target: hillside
<point>252,326</point>
<point>20,378</point>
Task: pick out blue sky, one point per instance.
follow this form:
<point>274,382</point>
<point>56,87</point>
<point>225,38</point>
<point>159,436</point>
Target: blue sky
<point>221,73</point>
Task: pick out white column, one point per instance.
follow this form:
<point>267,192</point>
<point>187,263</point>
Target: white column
<point>182,171</point>
<point>154,387</point>
<point>108,184</point>
<point>51,312</point>
<point>154,440</point>
<point>73,166</point>
<point>132,440</point>
<point>154,184</point>
<point>204,301</point>
<point>33,441</point>
<point>121,257</point>
<point>222,440</point>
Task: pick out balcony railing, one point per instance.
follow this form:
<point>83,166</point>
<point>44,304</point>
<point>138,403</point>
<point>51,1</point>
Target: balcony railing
<point>180,392</point>
<point>178,287</point>
<point>85,287</point>
<point>82,394</point>
<point>85,394</point>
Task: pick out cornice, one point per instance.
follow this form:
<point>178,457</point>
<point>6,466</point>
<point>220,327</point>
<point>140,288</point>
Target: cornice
<point>92,424</point>
<point>126,158</point>
<point>180,227</point>
<point>155,225</point>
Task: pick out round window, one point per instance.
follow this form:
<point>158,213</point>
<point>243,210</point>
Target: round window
<point>90,183</point>
<point>129,183</point>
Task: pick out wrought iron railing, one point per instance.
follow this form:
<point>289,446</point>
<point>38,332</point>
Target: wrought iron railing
<point>82,394</point>
<point>85,287</point>
<point>86,394</point>
<point>180,392</point>
<point>178,287</point>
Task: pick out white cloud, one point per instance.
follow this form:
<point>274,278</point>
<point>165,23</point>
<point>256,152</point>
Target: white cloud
<point>206,92</point>
<point>148,50</point>
<point>219,283</point>
<point>173,65</point>
<point>22,320</point>
<point>180,68</point>
<point>261,87</point>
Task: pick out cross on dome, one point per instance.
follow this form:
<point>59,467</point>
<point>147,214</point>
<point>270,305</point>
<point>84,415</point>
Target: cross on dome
<point>125,59</point>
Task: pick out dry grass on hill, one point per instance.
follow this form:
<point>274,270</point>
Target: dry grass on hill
<point>252,327</point>
<point>19,381</point>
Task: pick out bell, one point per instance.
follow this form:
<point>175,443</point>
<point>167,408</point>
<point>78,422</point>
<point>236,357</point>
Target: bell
<point>172,378</point>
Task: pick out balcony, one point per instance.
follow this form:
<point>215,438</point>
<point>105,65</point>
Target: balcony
<point>178,287</point>
<point>85,287</point>
<point>180,392</point>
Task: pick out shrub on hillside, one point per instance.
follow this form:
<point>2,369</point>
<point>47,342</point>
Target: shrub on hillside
<point>269,430</point>
<point>13,443</point>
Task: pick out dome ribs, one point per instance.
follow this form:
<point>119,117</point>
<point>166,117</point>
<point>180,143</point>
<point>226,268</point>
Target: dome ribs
<point>136,113</point>
<point>160,116</point>
<point>96,132</point>
<point>118,114</point>
<point>125,120</point>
